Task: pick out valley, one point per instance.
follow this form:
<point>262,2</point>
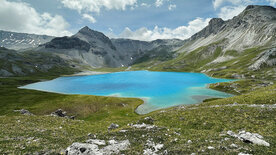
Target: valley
<point>242,48</point>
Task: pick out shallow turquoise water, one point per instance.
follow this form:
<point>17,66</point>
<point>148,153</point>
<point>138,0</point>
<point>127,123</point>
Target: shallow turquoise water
<point>158,89</point>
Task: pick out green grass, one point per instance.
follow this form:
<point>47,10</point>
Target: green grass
<point>97,112</point>
<point>206,126</point>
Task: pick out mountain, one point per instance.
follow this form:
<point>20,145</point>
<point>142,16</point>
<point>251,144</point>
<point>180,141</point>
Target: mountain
<point>242,47</point>
<point>97,50</point>
<point>16,41</point>
<point>239,47</point>
<point>255,26</point>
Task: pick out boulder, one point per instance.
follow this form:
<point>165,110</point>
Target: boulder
<point>147,120</point>
<point>59,113</point>
<point>237,76</point>
<point>113,126</point>
<point>248,137</point>
<point>24,112</point>
<point>92,147</point>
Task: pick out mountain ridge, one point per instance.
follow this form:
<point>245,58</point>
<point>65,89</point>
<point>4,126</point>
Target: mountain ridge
<point>255,26</point>
<point>17,41</point>
<point>97,50</point>
<point>212,44</point>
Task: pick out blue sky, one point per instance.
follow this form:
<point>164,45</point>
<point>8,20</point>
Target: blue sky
<point>135,19</point>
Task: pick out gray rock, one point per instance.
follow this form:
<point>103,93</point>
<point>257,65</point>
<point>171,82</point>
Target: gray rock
<point>147,120</point>
<point>235,103</point>
<point>24,112</point>
<point>234,146</point>
<point>113,126</point>
<point>248,137</point>
<point>114,147</point>
<point>266,58</point>
<point>210,147</point>
<point>241,153</point>
<point>237,76</point>
<point>96,141</point>
<point>59,113</point>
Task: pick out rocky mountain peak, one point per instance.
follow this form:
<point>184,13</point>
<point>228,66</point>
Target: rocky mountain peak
<point>265,7</point>
<point>258,13</point>
<point>214,26</point>
<point>216,22</point>
<point>93,37</point>
<point>91,33</point>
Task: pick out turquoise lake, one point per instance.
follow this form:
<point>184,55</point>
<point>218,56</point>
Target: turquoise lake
<point>158,89</point>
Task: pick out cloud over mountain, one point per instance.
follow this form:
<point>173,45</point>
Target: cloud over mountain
<point>181,32</point>
<point>97,5</point>
<point>21,17</point>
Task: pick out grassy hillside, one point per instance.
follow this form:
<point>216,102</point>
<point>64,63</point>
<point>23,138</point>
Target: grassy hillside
<point>182,130</point>
<point>96,112</point>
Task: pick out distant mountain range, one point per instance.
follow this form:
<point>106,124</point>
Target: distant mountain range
<point>246,42</point>
<point>16,41</point>
<point>97,50</point>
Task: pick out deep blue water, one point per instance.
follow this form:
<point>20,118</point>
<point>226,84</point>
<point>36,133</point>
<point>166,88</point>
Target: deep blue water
<point>159,89</point>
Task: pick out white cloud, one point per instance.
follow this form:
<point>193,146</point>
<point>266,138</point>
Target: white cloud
<point>228,12</point>
<point>171,7</point>
<point>182,32</point>
<point>21,17</point>
<point>97,5</point>
<point>218,3</point>
<point>89,17</point>
<point>272,2</point>
<point>145,5</point>
<point>158,3</point>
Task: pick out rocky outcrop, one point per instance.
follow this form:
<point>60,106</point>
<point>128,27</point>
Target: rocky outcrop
<point>266,58</point>
<point>214,27</point>
<point>24,112</point>
<point>61,113</point>
<point>68,43</point>
<point>248,137</point>
<point>91,147</point>
<point>113,126</point>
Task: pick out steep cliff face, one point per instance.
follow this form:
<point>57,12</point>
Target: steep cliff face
<point>255,26</point>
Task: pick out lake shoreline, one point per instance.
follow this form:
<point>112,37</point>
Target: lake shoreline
<point>85,73</point>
